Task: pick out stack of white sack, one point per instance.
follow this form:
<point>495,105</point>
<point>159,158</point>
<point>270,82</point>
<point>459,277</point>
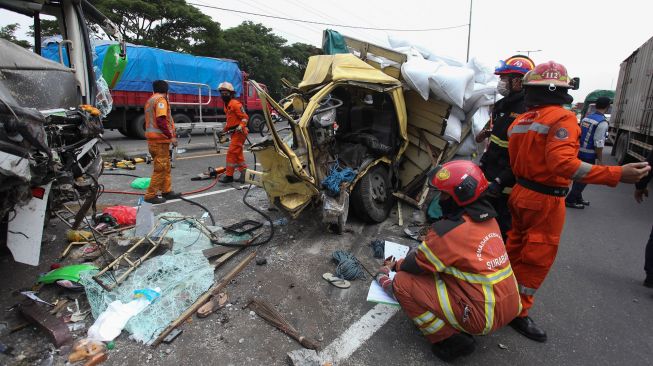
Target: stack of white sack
<point>470,89</point>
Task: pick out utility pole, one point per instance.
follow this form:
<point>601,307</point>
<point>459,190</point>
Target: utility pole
<point>528,52</point>
<point>469,27</point>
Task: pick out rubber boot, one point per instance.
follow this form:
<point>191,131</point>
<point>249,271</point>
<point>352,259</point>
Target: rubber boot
<point>155,200</point>
<point>226,179</point>
<point>458,345</point>
<point>171,195</point>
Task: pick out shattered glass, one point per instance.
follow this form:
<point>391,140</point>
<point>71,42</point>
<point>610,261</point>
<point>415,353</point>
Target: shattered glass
<point>183,274</point>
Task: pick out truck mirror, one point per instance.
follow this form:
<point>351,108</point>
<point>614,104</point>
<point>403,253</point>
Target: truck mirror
<point>113,65</point>
<point>575,83</point>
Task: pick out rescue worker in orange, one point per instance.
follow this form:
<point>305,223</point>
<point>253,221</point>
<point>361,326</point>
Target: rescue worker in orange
<point>237,125</point>
<point>160,133</point>
<point>458,282</point>
<point>543,146</point>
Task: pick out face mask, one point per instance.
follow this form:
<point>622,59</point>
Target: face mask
<point>226,98</point>
<point>503,88</point>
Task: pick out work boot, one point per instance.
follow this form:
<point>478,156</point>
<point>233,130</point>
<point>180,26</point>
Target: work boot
<point>155,200</point>
<point>574,205</point>
<point>226,179</point>
<point>241,177</point>
<point>527,327</point>
<point>586,203</point>
<point>648,282</point>
<point>171,195</point>
<point>457,345</point>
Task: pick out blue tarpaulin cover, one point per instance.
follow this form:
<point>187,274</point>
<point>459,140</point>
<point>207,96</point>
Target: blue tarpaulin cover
<point>146,64</point>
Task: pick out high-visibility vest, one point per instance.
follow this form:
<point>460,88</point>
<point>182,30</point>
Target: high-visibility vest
<point>152,131</point>
<point>476,288</point>
<point>587,131</point>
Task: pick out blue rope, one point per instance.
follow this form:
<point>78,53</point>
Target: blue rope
<point>378,247</point>
<point>348,266</point>
<point>336,176</point>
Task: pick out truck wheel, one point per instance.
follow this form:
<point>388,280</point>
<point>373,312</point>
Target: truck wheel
<point>621,148</point>
<point>124,132</point>
<point>181,118</point>
<point>137,128</point>
<point>371,199</point>
<point>256,123</point>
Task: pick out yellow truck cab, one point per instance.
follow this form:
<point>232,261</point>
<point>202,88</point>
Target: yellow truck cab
<point>351,114</point>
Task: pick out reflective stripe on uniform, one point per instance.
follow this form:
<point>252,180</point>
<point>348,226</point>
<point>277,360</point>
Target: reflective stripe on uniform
<point>582,171</point>
<point>585,150</point>
<point>535,126</point>
<point>488,293</point>
<point>486,281</point>
<point>498,141</point>
<point>433,327</point>
<point>445,304</point>
<point>527,290</point>
<point>423,318</point>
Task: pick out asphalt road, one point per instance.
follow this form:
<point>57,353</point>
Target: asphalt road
<point>593,306</point>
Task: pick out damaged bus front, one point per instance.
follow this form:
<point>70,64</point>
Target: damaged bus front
<point>50,117</point>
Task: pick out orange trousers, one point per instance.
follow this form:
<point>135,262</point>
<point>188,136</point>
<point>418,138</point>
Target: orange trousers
<point>160,181</point>
<point>235,156</point>
<point>537,222</point>
<point>419,300</point>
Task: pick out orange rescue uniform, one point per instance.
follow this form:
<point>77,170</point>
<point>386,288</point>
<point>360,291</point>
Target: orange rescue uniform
<point>236,116</point>
<point>158,144</point>
<point>466,282</point>
<point>543,147</point>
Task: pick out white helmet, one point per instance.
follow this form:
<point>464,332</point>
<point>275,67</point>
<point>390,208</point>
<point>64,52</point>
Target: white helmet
<point>226,86</point>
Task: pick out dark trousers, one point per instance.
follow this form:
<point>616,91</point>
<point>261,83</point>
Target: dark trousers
<point>504,219</point>
<point>576,193</point>
<point>648,256</point>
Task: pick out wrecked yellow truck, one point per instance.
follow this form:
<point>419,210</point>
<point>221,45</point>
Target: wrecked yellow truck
<point>351,114</point>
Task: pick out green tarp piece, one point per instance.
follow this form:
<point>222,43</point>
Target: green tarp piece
<point>333,43</point>
<point>141,183</point>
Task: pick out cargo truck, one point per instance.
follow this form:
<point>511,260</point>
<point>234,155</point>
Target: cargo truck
<point>631,121</point>
<point>194,98</point>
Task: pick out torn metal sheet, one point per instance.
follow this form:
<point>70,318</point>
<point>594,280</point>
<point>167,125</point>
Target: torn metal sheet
<point>56,329</point>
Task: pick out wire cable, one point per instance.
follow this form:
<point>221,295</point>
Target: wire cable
<point>328,24</point>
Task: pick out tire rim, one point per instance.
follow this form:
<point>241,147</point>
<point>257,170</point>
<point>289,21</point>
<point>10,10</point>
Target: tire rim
<point>377,188</point>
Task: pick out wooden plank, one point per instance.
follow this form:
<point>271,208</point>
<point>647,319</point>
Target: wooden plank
<point>204,298</point>
<point>365,47</point>
<point>216,251</point>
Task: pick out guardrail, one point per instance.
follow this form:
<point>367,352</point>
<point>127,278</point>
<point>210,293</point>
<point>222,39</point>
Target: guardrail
<point>200,103</point>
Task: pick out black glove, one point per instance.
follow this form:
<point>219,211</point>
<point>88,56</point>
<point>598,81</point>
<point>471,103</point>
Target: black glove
<point>494,189</point>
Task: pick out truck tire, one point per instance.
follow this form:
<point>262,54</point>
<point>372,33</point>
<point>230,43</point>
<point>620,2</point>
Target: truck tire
<point>181,118</point>
<point>124,132</point>
<point>137,127</point>
<point>256,122</point>
<point>371,199</point>
<point>621,148</point>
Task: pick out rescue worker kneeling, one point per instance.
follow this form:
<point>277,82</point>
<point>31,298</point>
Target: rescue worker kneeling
<point>458,282</point>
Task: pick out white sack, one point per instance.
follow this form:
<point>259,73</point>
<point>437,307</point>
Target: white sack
<point>468,147</point>
<point>480,119</point>
<point>454,129</point>
<point>452,84</point>
<point>416,72</point>
<point>483,74</point>
<point>481,95</point>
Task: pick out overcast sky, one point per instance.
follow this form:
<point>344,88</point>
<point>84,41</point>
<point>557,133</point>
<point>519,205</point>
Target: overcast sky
<point>590,38</point>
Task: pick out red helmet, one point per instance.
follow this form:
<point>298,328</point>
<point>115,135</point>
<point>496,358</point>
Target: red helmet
<point>461,179</point>
<point>551,74</point>
<point>517,64</point>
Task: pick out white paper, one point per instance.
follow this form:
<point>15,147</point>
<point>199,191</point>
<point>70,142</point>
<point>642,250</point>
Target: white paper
<point>376,293</point>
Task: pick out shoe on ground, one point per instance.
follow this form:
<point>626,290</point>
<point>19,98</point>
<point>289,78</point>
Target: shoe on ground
<point>241,177</point>
<point>586,203</point>
<point>171,195</point>
<point>527,327</point>
<point>155,200</point>
<point>648,282</point>
<point>574,205</point>
<point>226,179</point>
<point>458,345</point>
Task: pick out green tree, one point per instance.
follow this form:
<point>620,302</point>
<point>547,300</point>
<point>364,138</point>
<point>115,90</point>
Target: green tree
<point>167,24</point>
<point>295,59</point>
<point>48,28</point>
<point>258,51</point>
<point>8,32</point>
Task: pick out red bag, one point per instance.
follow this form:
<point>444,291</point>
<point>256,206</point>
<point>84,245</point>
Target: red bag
<point>124,215</point>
